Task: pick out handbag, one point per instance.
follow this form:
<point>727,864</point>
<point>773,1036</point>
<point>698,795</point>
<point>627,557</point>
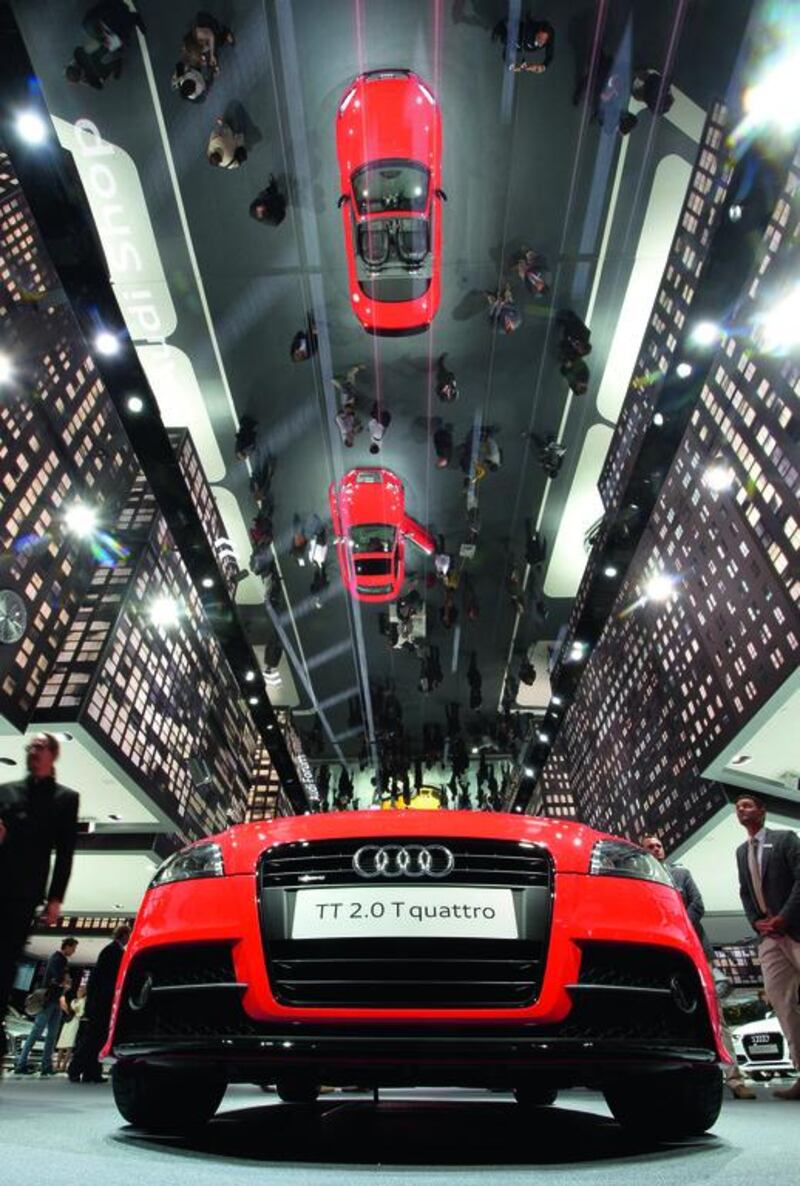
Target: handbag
<point>35,1001</point>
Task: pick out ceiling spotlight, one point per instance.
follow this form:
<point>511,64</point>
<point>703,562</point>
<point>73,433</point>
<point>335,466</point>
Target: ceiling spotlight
<point>774,100</point>
<point>658,419</point>
<point>705,333</point>
<point>718,476</point>
<point>6,369</point>
<point>529,771</point>
<point>577,651</point>
<point>164,612</point>
<point>735,212</point>
<point>544,738</point>
<point>250,676</point>
<point>610,571</point>
<point>556,700</point>
<point>80,520</point>
<point>518,809</point>
<point>31,127</point>
<point>207,582</point>
<point>659,587</point>
<point>252,700</point>
<point>135,404</point>
<point>779,325</point>
<point>106,343</point>
<point>683,370</point>
<point>475,749</point>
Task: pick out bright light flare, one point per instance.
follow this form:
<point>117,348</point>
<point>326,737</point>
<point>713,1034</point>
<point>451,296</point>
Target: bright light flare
<point>164,612</point>
<point>705,333</point>
<point>775,100</point>
<point>106,343</point>
<point>718,476</point>
<point>779,326</point>
<point>6,369</point>
<point>80,520</point>
<point>660,587</point>
<point>683,370</point>
<point>31,127</point>
<point>134,404</point>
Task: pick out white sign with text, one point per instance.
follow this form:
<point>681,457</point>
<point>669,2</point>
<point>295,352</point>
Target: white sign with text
<point>397,911</point>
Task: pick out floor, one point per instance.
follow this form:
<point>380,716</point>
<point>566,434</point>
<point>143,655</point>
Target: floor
<point>56,1131</point>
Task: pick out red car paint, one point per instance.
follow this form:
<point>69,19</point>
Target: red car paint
<point>581,913</point>
<point>389,145</point>
<point>370,526</point>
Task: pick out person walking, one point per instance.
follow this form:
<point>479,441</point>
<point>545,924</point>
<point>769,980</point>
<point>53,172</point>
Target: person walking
<point>576,372</point>
<point>112,24</point>
<point>695,908</point>
<point>226,148</point>
<point>503,312</point>
<point>304,343</point>
<point>348,423</point>
<point>532,271</point>
<point>37,817</point>
<point>769,887</point>
<point>48,1019</point>
<point>649,88</point>
<point>93,1031</point>
<point>379,421</point>
<point>446,385</point>
<point>535,39</point>
<point>72,1008</point>
<point>246,435</point>
<point>443,446</point>
<point>93,67</point>
<point>269,204</point>
<point>203,42</point>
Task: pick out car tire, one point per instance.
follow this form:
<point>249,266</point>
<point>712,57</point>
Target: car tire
<point>535,1095</point>
<point>297,1091</point>
<point>162,1101</point>
<point>668,1104</point>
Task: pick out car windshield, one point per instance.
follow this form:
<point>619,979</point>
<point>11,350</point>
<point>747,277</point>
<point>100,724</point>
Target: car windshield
<point>373,537</point>
<point>374,566</point>
<point>384,186</point>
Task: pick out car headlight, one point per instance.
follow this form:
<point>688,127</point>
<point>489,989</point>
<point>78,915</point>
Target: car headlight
<point>201,860</point>
<point>617,858</point>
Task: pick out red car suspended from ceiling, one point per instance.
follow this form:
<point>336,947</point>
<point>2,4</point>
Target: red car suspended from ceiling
<point>370,525</point>
<point>389,144</point>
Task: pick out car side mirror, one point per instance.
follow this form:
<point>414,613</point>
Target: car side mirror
<point>344,198</point>
<point>441,194</point>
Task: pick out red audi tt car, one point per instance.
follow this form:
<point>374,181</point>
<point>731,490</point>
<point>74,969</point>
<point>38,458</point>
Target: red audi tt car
<point>416,948</point>
<point>389,145</point>
<point>370,526</point>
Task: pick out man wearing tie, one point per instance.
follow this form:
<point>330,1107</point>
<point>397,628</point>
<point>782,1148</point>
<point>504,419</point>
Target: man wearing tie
<point>769,886</point>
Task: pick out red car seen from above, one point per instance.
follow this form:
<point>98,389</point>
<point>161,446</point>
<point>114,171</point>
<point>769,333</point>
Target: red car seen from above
<point>389,144</point>
<point>416,948</point>
<point>370,526</point>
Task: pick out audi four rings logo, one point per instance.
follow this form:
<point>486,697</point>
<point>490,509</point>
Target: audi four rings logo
<point>403,860</point>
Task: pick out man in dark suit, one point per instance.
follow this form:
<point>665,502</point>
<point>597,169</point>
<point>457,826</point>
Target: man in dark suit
<point>769,886</point>
<point>37,816</point>
<point>97,1013</point>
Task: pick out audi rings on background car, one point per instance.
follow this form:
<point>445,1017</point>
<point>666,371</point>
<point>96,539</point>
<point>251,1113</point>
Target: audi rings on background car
<point>404,860</point>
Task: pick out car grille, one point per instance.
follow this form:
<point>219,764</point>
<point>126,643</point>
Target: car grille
<point>632,991</point>
<point>754,1045</point>
<point>476,862</point>
<point>406,973</point>
<point>185,990</point>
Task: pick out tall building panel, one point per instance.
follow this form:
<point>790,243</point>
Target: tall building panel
<point>671,683</point>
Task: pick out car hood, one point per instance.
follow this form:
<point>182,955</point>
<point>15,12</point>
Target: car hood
<point>757,1027</point>
<point>570,843</point>
<point>389,117</point>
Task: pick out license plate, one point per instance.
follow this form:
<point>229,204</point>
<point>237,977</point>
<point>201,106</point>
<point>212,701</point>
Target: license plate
<point>765,1048</point>
<point>398,912</point>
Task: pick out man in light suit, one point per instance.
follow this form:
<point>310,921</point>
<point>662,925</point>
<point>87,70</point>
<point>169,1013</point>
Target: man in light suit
<point>769,886</point>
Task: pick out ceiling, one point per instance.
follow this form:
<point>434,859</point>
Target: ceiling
<point>225,295</point>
